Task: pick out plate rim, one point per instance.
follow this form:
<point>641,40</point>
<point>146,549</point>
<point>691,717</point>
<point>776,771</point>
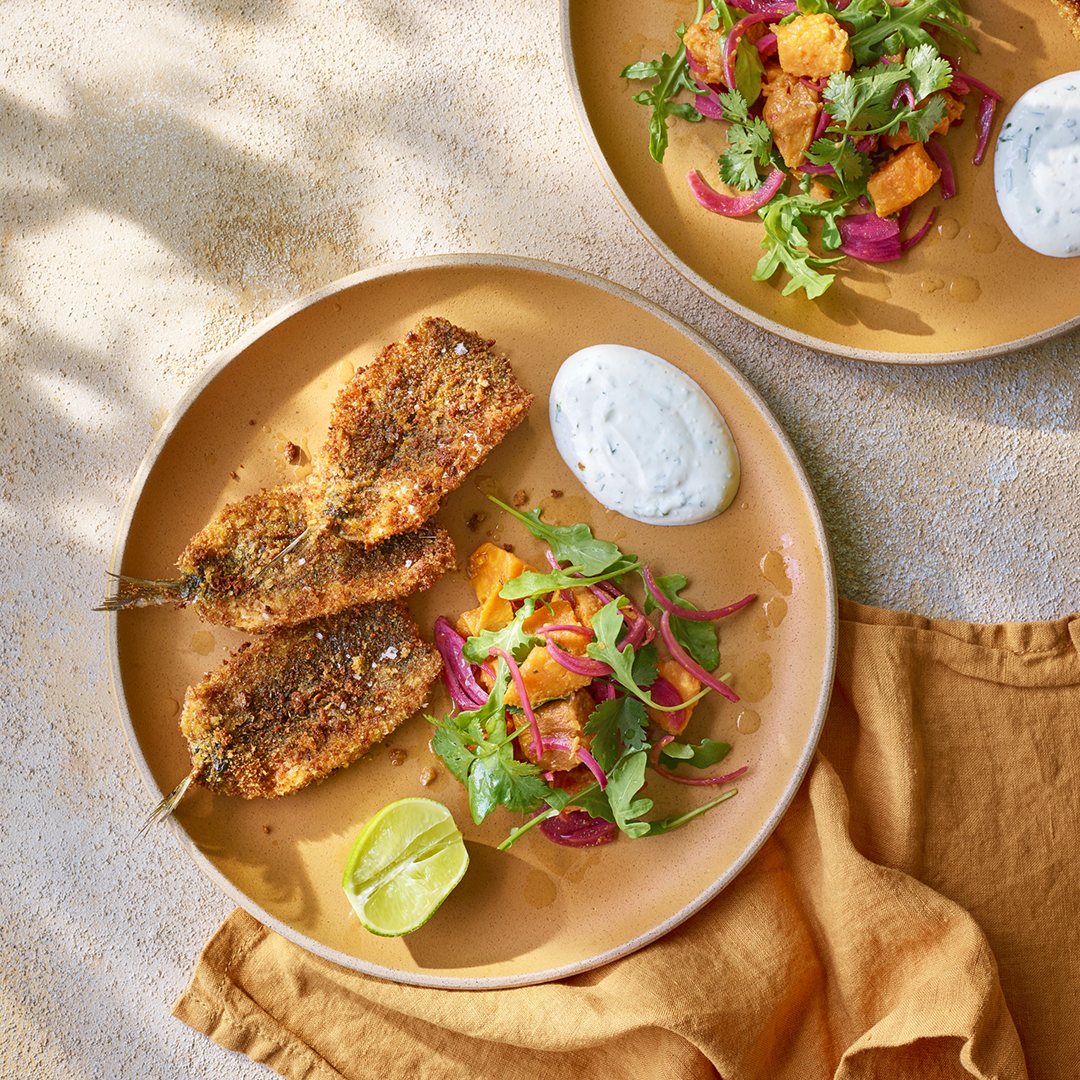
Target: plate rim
<point>796,337</point>
<point>457,261</point>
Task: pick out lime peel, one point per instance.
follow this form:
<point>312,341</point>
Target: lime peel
<point>403,865</point>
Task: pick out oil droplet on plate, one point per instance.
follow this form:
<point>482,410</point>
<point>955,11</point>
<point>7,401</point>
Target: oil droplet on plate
<point>202,642</point>
<point>489,485</point>
<point>932,285</point>
<point>748,721</point>
<point>948,228</point>
<point>753,678</point>
<point>345,371</point>
<point>775,610</point>
<point>966,290</point>
<point>984,237</point>
<point>775,571</point>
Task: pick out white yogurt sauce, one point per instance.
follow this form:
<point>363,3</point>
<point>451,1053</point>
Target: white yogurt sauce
<point>643,437</point>
<point>1037,167</point>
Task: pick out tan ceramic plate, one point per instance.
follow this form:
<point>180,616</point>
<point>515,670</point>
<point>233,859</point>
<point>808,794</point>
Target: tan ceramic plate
<point>969,291</point>
<point>538,911</point>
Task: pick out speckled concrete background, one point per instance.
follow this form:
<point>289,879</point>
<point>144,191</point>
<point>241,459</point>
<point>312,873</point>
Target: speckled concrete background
<point>175,171</point>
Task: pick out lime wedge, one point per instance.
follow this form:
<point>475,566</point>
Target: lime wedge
<point>403,865</point>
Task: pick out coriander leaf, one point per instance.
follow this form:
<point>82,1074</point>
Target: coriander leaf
<point>497,778</point>
<point>921,123</point>
<point>848,164</point>
<point>452,745</point>
<point>750,144</point>
<point>702,756</point>
<point>929,71</point>
<point>574,543</point>
<point>615,726</point>
<point>735,106</point>
<point>863,100</point>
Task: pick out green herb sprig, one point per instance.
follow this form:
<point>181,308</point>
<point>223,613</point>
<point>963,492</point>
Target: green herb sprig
<point>477,745</point>
<point>862,102</point>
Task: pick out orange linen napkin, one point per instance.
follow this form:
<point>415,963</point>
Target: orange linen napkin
<point>915,913</point>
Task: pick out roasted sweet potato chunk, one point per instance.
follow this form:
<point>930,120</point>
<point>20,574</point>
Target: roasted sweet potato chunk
<point>491,567</point>
<point>791,110</point>
<point>687,687</point>
<point>563,722</point>
<point>905,176</point>
<point>545,679</point>
<point>705,48</point>
<point>814,46</point>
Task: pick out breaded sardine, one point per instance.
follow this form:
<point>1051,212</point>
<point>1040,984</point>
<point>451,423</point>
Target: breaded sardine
<point>408,428</point>
<point>233,574</point>
<point>290,708</point>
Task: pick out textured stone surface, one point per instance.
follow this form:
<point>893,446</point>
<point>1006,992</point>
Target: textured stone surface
<point>176,171</point>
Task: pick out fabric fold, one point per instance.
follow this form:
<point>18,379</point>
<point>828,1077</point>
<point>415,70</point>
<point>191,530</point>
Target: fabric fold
<point>911,915</point>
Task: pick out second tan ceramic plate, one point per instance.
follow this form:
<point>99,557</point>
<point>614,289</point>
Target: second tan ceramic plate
<point>968,291</point>
<point>537,911</point>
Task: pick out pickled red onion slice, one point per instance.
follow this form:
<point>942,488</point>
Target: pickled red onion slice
<point>737,205</point>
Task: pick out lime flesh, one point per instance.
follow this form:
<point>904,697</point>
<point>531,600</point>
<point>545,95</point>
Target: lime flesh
<point>403,865</point>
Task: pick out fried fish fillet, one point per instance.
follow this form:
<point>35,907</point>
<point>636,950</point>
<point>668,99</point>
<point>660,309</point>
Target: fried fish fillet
<point>294,706</point>
<point>408,428</point>
<point>233,574</point>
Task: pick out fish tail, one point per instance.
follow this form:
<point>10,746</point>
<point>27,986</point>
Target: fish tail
<point>142,592</point>
<point>169,803</point>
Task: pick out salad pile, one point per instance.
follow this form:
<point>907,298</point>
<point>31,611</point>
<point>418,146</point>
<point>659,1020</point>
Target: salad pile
<point>836,113</point>
<point>563,695</point>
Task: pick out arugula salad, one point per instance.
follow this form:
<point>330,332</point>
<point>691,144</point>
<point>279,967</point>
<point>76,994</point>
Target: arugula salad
<point>836,114</point>
<point>567,693</point>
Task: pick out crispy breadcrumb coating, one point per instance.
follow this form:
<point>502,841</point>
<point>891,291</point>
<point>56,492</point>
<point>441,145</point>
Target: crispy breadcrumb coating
<point>238,582</point>
<point>409,428</point>
<point>233,573</point>
<point>292,707</point>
